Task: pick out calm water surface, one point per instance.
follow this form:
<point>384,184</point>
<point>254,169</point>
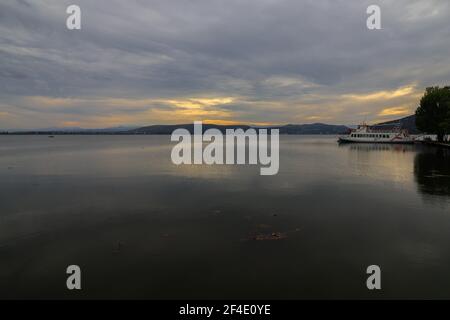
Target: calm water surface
<point>141,227</point>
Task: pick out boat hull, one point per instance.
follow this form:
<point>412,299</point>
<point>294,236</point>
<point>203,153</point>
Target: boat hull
<point>352,140</point>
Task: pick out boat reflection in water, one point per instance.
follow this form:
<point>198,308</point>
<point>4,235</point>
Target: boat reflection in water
<point>379,147</point>
<point>430,165</point>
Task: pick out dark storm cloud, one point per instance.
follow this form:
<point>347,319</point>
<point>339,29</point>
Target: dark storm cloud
<point>280,60</point>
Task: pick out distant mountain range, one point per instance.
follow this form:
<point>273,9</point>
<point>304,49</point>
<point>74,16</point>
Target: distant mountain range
<point>314,128</point>
<point>408,123</point>
<point>168,129</point>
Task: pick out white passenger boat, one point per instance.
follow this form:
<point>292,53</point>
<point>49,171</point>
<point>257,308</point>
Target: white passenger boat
<point>377,134</point>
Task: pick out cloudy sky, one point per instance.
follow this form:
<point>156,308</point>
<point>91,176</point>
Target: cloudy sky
<point>139,62</point>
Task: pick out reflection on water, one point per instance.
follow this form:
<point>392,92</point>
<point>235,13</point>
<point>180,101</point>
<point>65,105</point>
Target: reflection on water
<point>382,162</point>
<point>432,172</point>
<point>379,147</point>
<point>141,227</point>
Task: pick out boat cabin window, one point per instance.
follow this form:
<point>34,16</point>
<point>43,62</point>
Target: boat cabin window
<point>369,135</point>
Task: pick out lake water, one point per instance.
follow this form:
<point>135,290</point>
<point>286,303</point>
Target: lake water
<point>141,227</point>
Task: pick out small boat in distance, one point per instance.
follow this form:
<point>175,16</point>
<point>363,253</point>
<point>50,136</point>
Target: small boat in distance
<point>377,134</point>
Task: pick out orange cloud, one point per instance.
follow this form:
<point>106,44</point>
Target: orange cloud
<point>395,111</point>
<point>70,124</point>
<point>315,118</point>
<point>198,103</point>
<point>382,95</point>
<point>234,122</point>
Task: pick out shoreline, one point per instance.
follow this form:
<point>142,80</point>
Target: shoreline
<point>434,144</point>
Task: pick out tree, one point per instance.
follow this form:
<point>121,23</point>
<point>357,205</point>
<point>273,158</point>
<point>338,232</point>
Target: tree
<point>433,114</point>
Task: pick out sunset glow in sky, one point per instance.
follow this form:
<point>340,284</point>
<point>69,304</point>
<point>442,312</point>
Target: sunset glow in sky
<point>236,61</point>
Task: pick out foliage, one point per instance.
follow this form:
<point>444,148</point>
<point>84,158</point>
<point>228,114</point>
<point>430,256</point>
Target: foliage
<point>433,114</point>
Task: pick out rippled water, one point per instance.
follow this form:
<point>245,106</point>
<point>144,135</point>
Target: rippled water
<point>141,227</point>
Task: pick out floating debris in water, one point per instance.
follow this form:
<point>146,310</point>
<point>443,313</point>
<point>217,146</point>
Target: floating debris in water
<point>118,246</point>
<point>270,236</point>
